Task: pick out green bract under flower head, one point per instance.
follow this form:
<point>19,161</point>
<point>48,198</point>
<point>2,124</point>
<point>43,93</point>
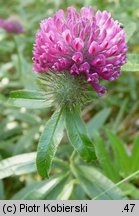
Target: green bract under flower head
<point>64,89</point>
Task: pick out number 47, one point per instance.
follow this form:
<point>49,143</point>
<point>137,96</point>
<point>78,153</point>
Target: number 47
<point>129,207</point>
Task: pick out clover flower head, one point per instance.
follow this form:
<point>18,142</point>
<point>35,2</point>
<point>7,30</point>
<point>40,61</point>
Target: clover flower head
<point>81,43</point>
<point>11,25</point>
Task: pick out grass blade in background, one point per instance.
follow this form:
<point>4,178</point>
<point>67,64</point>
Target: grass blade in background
<point>104,159</point>
<point>26,141</point>
<point>135,156</point>
<point>120,153</point>
<point>98,121</point>
<point>26,116</point>
<point>130,29</point>
<point>118,119</point>
<point>132,64</point>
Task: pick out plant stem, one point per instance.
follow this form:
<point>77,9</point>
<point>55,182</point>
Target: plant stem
<point>72,156</point>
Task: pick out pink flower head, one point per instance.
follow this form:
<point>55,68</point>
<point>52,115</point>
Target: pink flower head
<point>81,43</point>
<point>11,25</point>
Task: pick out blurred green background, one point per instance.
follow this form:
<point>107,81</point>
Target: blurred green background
<point>114,116</point>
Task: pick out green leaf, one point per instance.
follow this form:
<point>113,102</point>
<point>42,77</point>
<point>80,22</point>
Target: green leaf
<point>135,156</point>
<point>98,121</point>
<point>121,154</point>
<point>132,63</point>
<point>30,104</point>
<point>104,159</point>
<point>39,191</point>
<point>77,134</point>
<point>78,193</point>
<point>49,142</point>
<point>95,183</point>
<point>30,99</point>
<point>62,191</point>
<point>27,94</point>
<point>18,165</point>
